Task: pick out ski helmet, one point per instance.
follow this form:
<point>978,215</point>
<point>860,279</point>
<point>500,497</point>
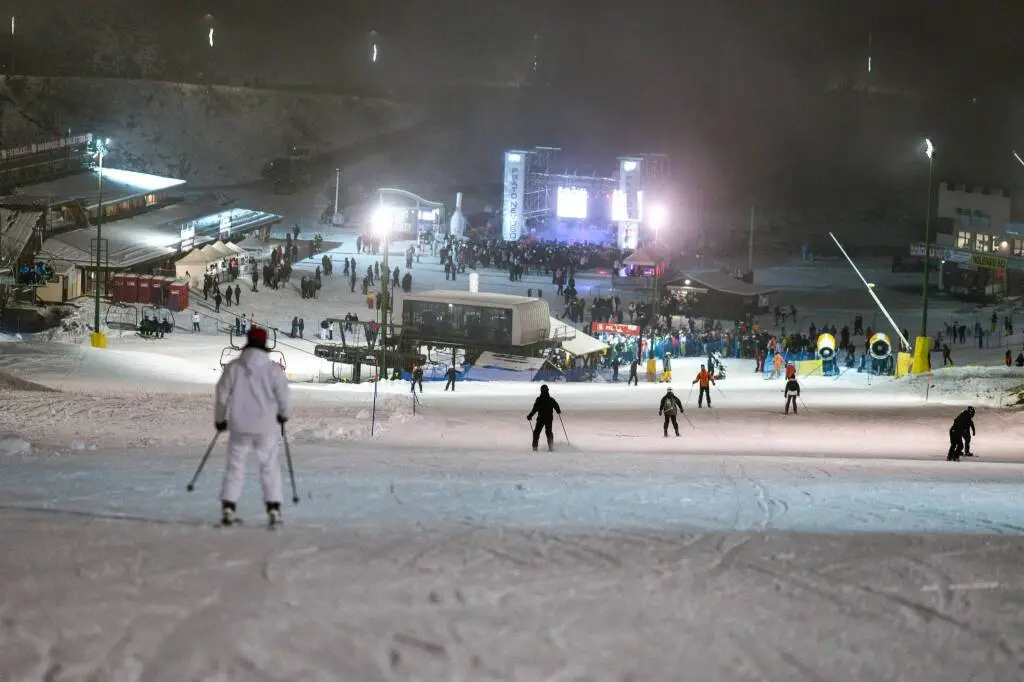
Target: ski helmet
<point>544,388</point>
<point>970,410</point>
<point>669,389</point>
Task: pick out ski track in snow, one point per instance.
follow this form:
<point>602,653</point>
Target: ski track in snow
<point>830,546</point>
<point>405,564</point>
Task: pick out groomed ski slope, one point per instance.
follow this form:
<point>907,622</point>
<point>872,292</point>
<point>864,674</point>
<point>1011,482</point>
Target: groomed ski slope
<point>833,545</point>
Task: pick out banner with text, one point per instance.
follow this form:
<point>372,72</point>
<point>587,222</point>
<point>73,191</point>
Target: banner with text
<point>512,222</point>
<point>630,184</point>
<point>613,328</point>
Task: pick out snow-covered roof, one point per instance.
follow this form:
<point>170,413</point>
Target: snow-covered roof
<point>573,340</point>
<point>15,230</point>
<point>473,298</point>
<point>727,284</point>
<point>118,185</point>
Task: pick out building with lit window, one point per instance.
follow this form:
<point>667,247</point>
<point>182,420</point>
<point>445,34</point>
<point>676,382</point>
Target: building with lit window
<point>53,197</point>
<point>978,240</point>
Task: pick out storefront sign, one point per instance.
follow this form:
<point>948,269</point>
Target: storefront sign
<point>612,328</point>
<point>990,262</point>
<point>941,253</point>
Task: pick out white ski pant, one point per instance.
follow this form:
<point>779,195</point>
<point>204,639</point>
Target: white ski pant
<point>266,447</point>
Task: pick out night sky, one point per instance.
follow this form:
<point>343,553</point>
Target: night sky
<point>752,96</point>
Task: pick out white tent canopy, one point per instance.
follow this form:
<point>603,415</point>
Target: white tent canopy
<point>217,250</point>
<point>194,263</point>
<point>573,340</point>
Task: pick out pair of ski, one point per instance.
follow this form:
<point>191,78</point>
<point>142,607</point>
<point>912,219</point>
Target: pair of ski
<point>272,524</point>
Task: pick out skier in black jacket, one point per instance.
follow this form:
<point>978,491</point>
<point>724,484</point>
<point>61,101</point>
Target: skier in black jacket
<point>961,430</point>
<point>670,406</point>
<point>792,392</point>
<point>544,407</point>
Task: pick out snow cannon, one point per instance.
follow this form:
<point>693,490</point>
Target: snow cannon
<point>880,347</point>
<point>826,347</point>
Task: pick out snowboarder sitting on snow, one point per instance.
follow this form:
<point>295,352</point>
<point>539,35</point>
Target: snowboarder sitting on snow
<point>544,407</point>
<point>792,392</point>
<point>670,406</point>
<point>705,378</point>
<point>253,395</point>
<point>959,433</point>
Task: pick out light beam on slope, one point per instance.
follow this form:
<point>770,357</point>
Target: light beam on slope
<point>871,290</point>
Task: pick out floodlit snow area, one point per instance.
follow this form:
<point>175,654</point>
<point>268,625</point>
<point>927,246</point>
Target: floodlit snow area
<point>430,543</point>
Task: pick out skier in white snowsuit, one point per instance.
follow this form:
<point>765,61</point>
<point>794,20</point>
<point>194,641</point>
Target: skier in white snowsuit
<point>253,401</point>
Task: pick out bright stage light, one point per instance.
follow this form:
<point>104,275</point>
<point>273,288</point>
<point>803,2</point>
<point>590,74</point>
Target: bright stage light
<point>629,166</point>
<point>572,202</point>
<point>382,219</point>
<point>514,158</point>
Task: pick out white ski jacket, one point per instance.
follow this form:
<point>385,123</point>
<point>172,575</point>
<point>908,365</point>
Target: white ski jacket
<point>251,393</point>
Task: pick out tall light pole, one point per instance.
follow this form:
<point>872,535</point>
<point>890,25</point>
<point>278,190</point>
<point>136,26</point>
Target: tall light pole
<point>657,216</point>
<point>336,218</point>
<point>99,339</point>
<point>383,219</point>
<point>929,150</point>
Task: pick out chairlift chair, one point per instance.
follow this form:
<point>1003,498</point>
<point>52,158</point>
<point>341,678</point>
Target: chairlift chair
<point>159,313</point>
<point>122,316</point>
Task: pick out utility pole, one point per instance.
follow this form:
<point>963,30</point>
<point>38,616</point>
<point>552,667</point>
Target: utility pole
<point>337,192</point>
<point>930,151</point>
<point>99,339</point>
<point>750,253</point>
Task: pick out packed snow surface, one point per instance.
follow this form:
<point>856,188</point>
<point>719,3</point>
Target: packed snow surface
<point>432,544</point>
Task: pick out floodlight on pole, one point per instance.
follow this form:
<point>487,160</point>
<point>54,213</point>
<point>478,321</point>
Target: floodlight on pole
<point>1019,160</point>
<point>657,214</point>
<point>382,219</point>
<point>922,344</point>
<point>100,150</point>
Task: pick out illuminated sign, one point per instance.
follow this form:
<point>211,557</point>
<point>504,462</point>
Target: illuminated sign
<point>512,222</point>
<point>188,236</point>
<point>989,262</point>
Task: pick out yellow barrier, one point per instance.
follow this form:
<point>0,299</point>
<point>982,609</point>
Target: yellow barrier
<point>98,339</point>
<point>922,355</point>
<point>904,364</point>
<point>809,368</point>
<point>652,370</point>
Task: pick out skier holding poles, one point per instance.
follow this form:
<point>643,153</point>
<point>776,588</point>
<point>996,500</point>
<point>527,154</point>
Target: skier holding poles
<point>705,378</point>
<point>253,401</point>
<point>792,392</point>
<point>545,408</point>
<point>670,406</point>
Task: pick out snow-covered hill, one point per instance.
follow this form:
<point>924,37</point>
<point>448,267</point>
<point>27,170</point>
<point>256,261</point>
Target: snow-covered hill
<point>208,135</point>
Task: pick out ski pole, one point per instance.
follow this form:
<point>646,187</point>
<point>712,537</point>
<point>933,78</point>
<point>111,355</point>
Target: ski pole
<point>192,484</point>
<point>720,390</point>
<point>291,471</point>
<point>688,396</point>
<point>563,429</point>
<point>683,412</point>
<point>800,398</point>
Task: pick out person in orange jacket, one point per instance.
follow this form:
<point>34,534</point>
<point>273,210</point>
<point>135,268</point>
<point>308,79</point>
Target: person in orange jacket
<point>790,372</point>
<point>705,379</point>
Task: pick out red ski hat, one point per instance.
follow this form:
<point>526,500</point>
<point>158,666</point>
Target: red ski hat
<point>257,338</point>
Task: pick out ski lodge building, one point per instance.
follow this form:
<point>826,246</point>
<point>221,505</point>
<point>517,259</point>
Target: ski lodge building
<point>51,198</point>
